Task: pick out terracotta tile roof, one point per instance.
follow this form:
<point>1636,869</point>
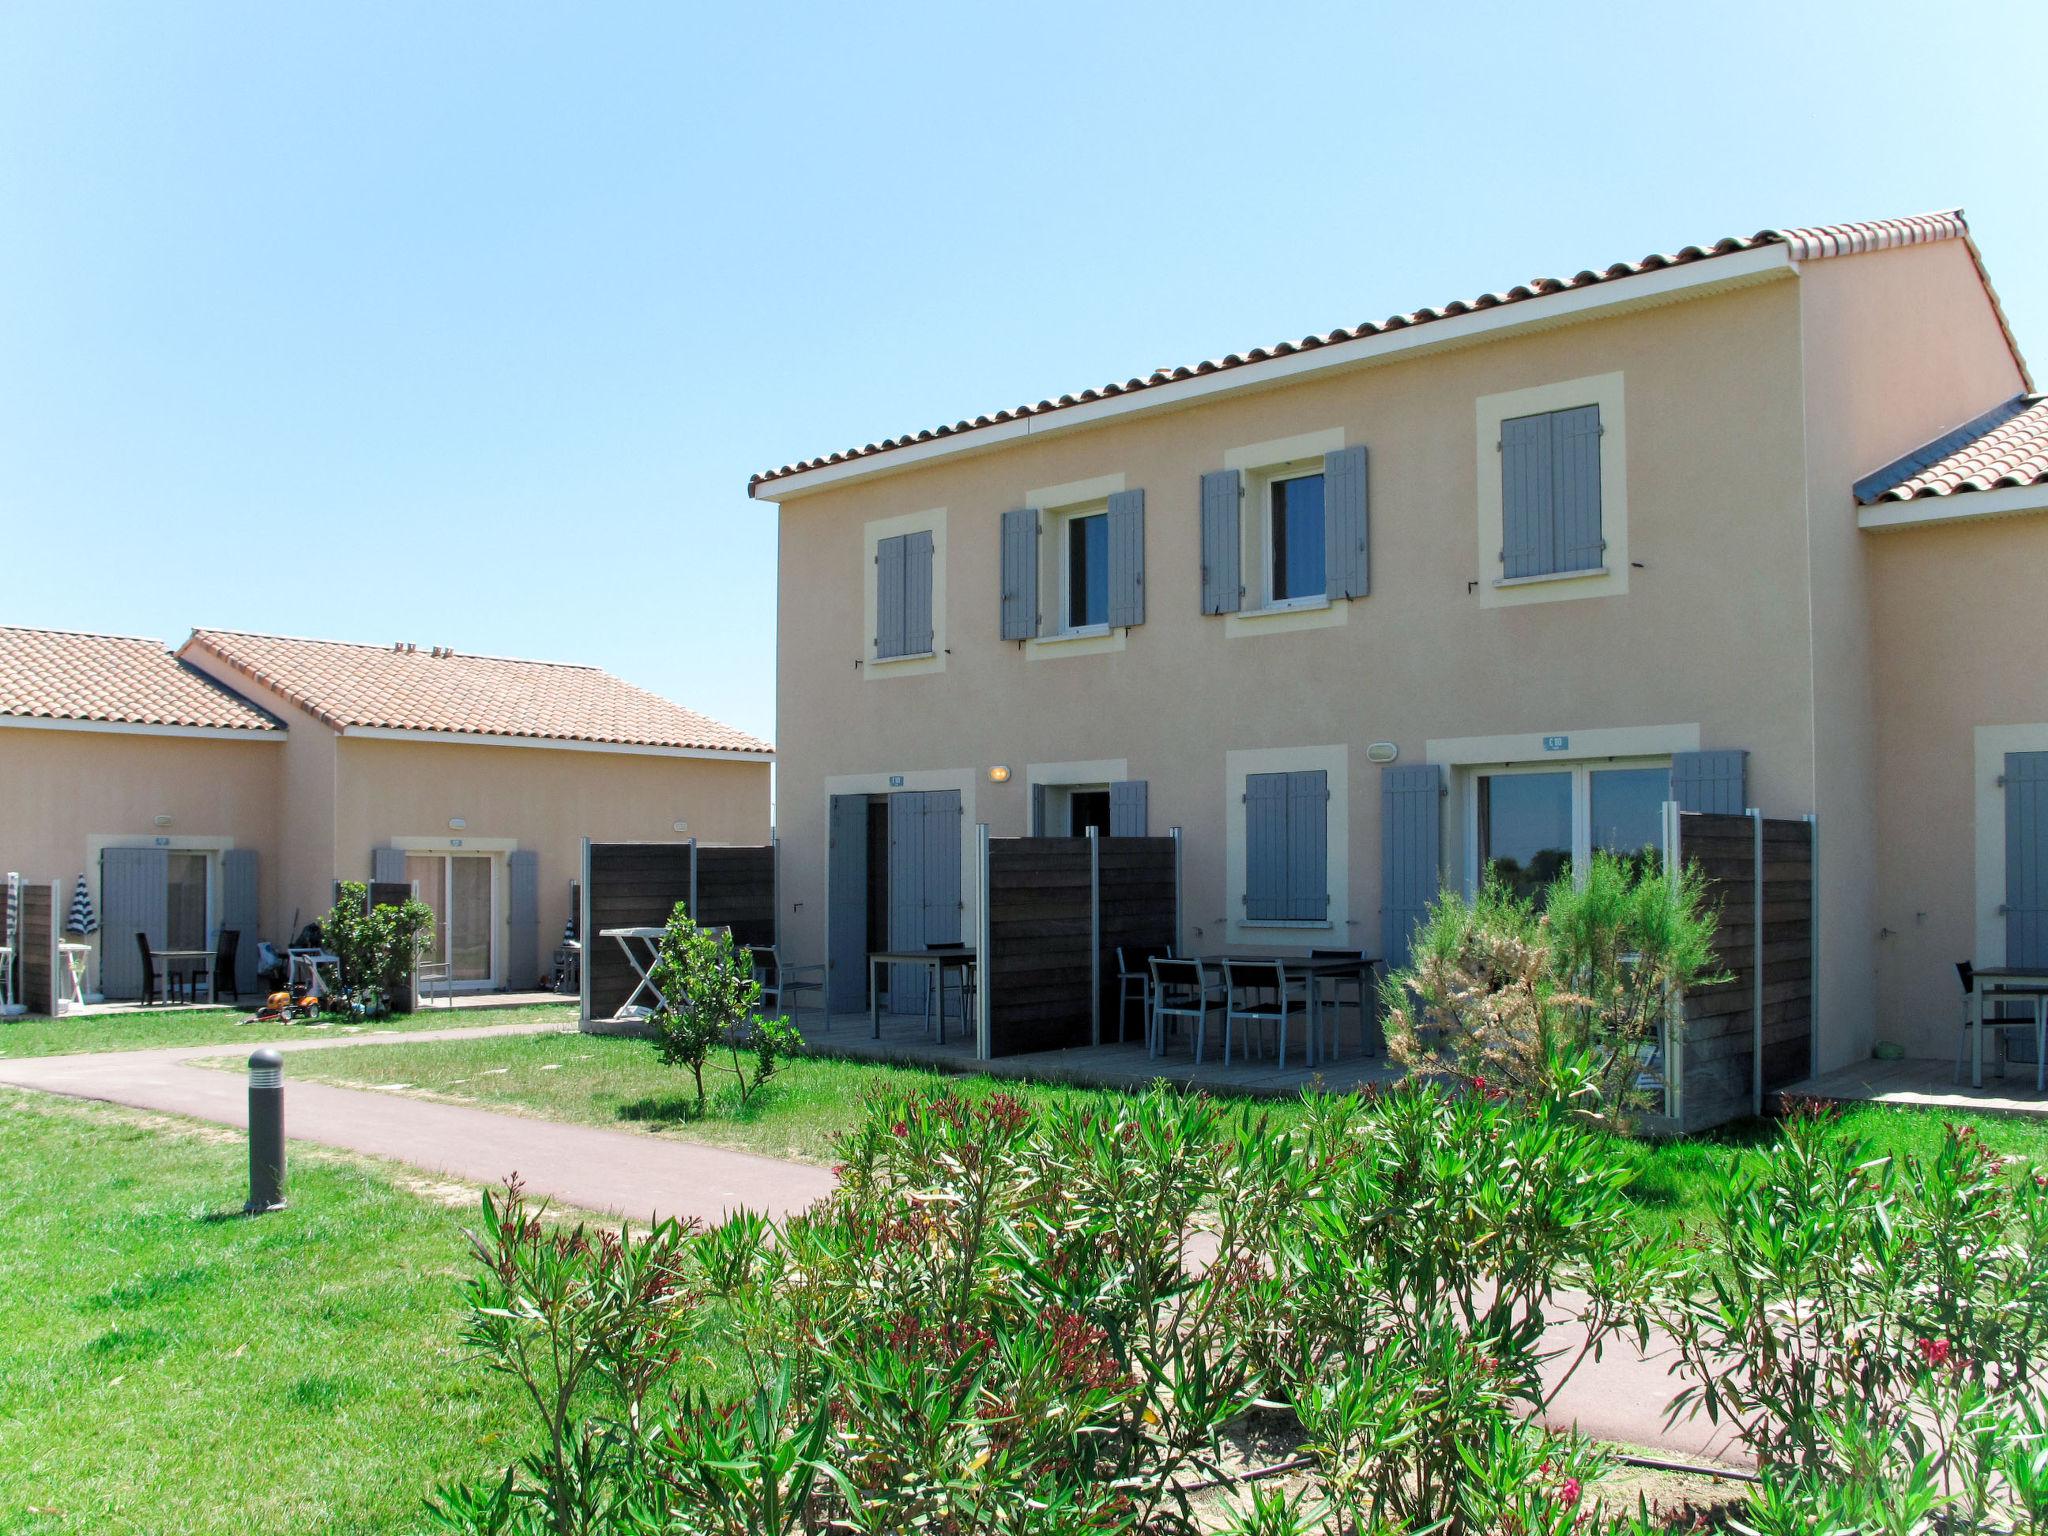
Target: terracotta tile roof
<point>1804,244</point>
<point>2007,446</point>
<point>60,674</point>
<point>346,685</point>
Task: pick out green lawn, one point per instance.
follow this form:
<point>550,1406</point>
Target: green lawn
<point>141,1030</point>
<point>602,1080</point>
<point>169,1366</point>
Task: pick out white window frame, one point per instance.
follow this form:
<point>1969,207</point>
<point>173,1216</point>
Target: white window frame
<point>1581,770</point>
<point>500,915</point>
<point>1259,487</point>
<point>1061,521</point>
<point>1610,580</point>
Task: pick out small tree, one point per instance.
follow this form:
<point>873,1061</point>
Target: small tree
<point>377,947</point>
<point>712,999</point>
<point>1560,1000</point>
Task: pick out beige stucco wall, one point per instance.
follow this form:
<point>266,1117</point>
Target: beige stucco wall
<point>1711,632</point>
<point>60,790</point>
<point>1943,672</point>
<point>1900,347</point>
<point>545,799</point>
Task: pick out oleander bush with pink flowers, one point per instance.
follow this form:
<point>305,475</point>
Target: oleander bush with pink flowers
<point>1020,1324</point>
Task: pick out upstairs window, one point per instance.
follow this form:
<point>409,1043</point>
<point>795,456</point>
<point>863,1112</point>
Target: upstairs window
<point>903,596</point>
<point>1550,495</point>
<point>1296,538</point>
<point>1087,571</point>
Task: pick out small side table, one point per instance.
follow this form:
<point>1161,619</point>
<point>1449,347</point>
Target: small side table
<point>75,958</point>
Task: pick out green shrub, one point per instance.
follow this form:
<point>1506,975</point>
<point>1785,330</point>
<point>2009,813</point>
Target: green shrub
<point>377,946</point>
<point>1560,999</point>
<point>712,1001</point>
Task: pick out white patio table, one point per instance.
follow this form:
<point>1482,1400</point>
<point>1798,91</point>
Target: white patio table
<point>75,957</point>
<point>638,942</point>
<point>2010,984</point>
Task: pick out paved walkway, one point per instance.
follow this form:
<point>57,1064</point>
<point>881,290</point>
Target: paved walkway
<point>1619,1398</point>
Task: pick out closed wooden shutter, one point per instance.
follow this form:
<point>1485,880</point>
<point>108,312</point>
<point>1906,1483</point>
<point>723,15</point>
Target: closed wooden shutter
<point>134,898</point>
<point>522,938</point>
<point>890,602</point>
<point>387,866</point>
<point>1527,500</point>
<point>917,594</point>
<point>1308,819</point>
<point>1411,831</point>
<point>1575,459</point>
<point>1019,614</point>
<point>1127,809</point>
<point>1710,782</point>
<point>1126,559</point>
<point>942,866</point>
<point>1222,585</point>
<point>1346,519</point>
<point>2026,860</point>
<point>241,910</point>
<point>846,905</point>
<point>1265,847</point>
<point>906,897</point>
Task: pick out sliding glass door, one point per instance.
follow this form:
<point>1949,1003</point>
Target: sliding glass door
<point>1531,824</point>
<point>461,890</point>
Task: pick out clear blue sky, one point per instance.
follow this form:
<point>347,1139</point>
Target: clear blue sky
<point>465,324</point>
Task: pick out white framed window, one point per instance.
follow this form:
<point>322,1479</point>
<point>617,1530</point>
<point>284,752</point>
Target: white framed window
<point>1289,525</point>
<point>1528,823</point>
<point>1080,551</point>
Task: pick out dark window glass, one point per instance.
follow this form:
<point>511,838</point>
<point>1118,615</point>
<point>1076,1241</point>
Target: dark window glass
<point>1627,810</point>
<point>1088,571</point>
<point>1298,538</point>
<point>1525,829</point>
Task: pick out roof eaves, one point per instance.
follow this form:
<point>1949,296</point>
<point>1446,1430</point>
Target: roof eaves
<point>1887,484</point>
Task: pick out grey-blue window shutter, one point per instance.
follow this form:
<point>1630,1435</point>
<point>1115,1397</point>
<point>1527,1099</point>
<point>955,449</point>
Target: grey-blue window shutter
<point>907,983</point>
<point>387,866</point>
<point>1222,585</point>
<point>1020,574</point>
<point>1712,782</point>
<point>1411,831</point>
<point>889,597</point>
<point>241,910</point>
<point>2026,867</point>
<point>846,899</point>
<point>1128,811</point>
<point>1575,463</point>
<point>1527,497</point>
<point>522,938</point>
<point>1308,819</point>
<point>917,593</point>
<point>134,898</point>
<point>1126,559</point>
<point>942,833</point>
<point>1265,847</point>
<point>1346,522</point>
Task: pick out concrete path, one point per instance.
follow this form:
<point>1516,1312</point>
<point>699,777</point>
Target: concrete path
<point>626,1173</point>
<point>1620,1398</point>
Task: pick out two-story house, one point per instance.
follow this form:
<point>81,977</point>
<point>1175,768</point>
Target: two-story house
<point>1477,587</point>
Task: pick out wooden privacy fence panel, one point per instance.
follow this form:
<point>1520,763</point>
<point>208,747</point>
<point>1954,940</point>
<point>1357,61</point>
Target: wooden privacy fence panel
<point>1719,1053</point>
<point>1137,901</point>
<point>736,890</point>
<point>36,948</point>
<point>637,885</point>
<point>1039,968</point>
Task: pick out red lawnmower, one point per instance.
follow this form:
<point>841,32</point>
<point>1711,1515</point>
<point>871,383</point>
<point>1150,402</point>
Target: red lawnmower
<point>282,1007</point>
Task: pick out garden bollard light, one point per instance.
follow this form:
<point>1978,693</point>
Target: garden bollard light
<point>266,1133</point>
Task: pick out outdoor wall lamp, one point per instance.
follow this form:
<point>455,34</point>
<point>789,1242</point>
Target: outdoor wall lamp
<point>999,774</point>
<point>456,823</point>
<point>160,821</point>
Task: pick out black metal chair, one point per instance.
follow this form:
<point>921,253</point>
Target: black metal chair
<point>226,949</point>
<point>1184,989</point>
<point>149,987</point>
<point>1134,983</point>
<point>1260,992</point>
<point>966,985</point>
<point>1333,1035</point>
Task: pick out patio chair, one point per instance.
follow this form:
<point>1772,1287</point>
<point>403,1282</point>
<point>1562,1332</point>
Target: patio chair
<point>1333,1031</point>
<point>1134,982</point>
<point>149,973</point>
<point>779,980</point>
<point>226,948</point>
<point>2035,1024</point>
<point>1260,992</point>
<point>965,986</point>
<point>431,973</point>
<point>1183,989</point>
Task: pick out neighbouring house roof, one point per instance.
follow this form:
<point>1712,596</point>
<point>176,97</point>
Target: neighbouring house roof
<point>64,675</point>
<point>2004,449</point>
<point>354,687</point>
<point>1800,244</point>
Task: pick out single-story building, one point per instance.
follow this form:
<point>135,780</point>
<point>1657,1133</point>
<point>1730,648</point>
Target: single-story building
<point>1477,588</point>
<point>231,783</point>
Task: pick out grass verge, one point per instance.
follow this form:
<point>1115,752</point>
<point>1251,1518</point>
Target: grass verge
<point>143,1030</point>
<point>609,1081</point>
<point>170,1366</point>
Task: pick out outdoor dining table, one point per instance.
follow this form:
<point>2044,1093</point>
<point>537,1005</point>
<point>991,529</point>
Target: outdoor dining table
<point>935,961</point>
<point>2009,984</point>
<point>638,943</point>
<point>1315,969</point>
<point>170,959</point>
